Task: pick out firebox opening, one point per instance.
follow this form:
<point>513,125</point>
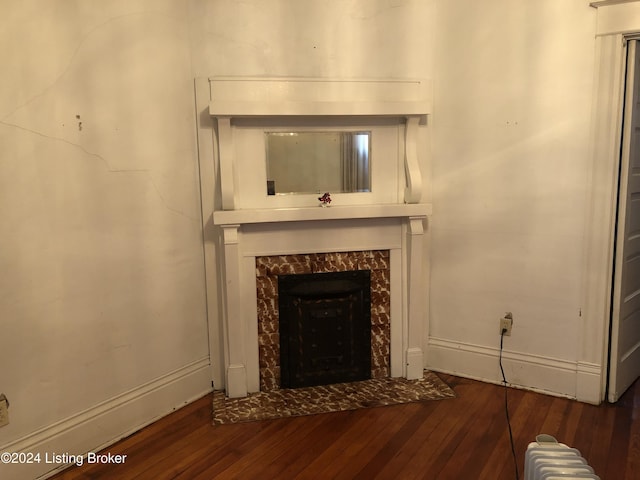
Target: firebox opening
<point>325,328</point>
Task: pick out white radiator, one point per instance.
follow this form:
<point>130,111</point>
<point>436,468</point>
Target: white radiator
<point>546,459</point>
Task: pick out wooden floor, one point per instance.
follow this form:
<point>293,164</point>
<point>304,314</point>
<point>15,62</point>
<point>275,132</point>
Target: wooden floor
<point>461,438</point>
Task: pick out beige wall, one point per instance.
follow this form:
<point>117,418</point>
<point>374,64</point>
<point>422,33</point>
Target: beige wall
<point>102,279</point>
<point>511,165</point>
<point>101,283</point>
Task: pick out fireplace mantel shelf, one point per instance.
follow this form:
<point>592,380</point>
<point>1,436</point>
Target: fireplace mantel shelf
<point>304,214</point>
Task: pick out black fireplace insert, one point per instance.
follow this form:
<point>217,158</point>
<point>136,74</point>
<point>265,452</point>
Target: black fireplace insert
<point>325,328</point>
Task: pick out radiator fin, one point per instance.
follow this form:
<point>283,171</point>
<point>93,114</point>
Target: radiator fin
<point>546,459</point>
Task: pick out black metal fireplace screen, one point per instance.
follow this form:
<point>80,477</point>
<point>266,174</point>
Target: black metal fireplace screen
<point>325,328</point>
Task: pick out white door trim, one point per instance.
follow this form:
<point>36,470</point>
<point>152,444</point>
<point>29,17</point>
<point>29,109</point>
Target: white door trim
<point>616,23</point>
<point>624,352</point>
<point>606,131</point>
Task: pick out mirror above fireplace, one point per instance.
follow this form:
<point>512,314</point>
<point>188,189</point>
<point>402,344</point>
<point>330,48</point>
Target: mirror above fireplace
<point>254,115</point>
<point>318,161</point>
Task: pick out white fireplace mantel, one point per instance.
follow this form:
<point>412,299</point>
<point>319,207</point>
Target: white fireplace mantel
<point>354,222</point>
<point>300,214</point>
<point>250,234</point>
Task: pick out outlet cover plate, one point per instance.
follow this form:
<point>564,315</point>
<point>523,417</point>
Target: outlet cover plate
<point>506,324</point>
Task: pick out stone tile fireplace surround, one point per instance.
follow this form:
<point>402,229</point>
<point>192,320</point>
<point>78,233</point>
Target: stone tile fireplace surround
<point>267,270</point>
<point>259,234</point>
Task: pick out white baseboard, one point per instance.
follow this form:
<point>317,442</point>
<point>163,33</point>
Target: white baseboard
<point>589,385</point>
<point>552,376</point>
<point>106,423</point>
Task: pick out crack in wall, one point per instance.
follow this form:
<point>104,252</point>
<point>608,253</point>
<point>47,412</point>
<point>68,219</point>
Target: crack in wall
<point>81,42</point>
<point>106,165</point>
<point>76,145</point>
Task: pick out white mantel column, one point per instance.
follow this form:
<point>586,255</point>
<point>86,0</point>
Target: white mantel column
<point>235,368</point>
<point>415,294</point>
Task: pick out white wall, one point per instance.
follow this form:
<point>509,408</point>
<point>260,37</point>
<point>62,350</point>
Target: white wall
<point>513,85</point>
<point>311,38</point>
<point>102,298</point>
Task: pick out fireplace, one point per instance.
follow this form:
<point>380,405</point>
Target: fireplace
<point>325,328</point>
<point>249,225</point>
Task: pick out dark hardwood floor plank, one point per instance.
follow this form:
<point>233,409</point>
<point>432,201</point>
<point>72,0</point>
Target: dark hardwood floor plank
<point>569,425</point>
<point>397,426</point>
<point>598,453</point>
<point>364,432</point>
<point>493,452</point>
<point>473,445</point>
<point>618,449</point>
<point>633,452</point>
<point>217,451</point>
<point>585,433</point>
<point>187,451</point>
<point>525,421</point>
<point>555,416</point>
<point>404,439</point>
<point>137,446</point>
<point>431,457</point>
<point>256,451</point>
<point>313,435</point>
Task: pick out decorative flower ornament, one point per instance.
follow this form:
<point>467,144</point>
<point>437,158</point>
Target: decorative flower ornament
<point>325,199</point>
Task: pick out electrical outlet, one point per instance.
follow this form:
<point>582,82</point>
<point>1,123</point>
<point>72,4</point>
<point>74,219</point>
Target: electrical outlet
<point>506,323</point>
<point>4,411</point>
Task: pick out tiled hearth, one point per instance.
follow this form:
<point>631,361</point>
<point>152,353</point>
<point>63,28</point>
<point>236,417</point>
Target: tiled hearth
<point>269,267</point>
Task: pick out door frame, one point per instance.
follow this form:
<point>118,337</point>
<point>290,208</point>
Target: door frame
<point>617,23</point>
<point>630,101</point>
